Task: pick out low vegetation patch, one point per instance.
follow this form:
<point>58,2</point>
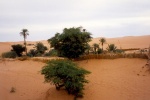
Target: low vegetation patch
<point>65,73</point>
<point>112,56</point>
<point>10,54</point>
<point>13,90</point>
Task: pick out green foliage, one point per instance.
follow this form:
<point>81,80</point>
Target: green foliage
<point>52,52</point>
<point>96,47</point>
<point>10,54</point>
<point>88,48</point>
<point>40,48</point>
<point>99,51</point>
<point>111,48</point>
<point>32,53</point>
<point>65,73</point>
<point>38,51</point>
<point>18,49</point>
<point>71,43</point>
<point>102,40</point>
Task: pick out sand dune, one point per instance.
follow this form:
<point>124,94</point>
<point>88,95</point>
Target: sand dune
<point>127,42</point>
<point>119,79</point>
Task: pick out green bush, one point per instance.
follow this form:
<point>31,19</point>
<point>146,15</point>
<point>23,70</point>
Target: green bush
<point>65,73</point>
<point>52,52</point>
<point>32,53</point>
<point>10,54</point>
<point>40,48</point>
<point>99,51</point>
<point>18,49</point>
<point>71,43</point>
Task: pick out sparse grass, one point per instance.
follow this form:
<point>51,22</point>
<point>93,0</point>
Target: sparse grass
<point>40,60</point>
<point>45,59</point>
<point>112,56</point>
<point>23,58</point>
<point>10,54</point>
<point>13,90</point>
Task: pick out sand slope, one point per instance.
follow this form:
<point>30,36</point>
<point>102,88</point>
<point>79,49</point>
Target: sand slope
<point>119,79</point>
<point>127,42</point>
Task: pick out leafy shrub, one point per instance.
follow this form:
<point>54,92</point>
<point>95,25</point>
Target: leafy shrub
<point>10,54</point>
<point>65,73</point>
<point>18,49</point>
<point>40,48</point>
<point>99,51</point>
<point>38,51</point>
<point>32,53</point>
<point>52,52</point>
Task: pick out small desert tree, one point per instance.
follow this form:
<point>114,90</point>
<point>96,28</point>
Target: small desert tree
<point>24,33</point>
<point>102,40</point>
<point>71,43</point>
<point>95,47</point>
<point>65,73</point>
<point>18,49</point>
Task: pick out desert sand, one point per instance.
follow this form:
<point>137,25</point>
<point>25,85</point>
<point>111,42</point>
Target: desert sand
<point>119,79</point>
<point>113,79</point>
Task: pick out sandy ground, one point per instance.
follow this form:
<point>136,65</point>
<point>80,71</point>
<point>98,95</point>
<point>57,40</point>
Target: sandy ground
<point>119,79</point>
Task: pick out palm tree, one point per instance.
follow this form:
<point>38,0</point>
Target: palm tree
<point>96,47</point>
<point>24,33</point>
<point>102,40</point>
<point>111,48</point>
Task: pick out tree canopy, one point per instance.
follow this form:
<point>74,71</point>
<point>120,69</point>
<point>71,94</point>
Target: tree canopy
<point>71,43</point>
<point>65,73</point>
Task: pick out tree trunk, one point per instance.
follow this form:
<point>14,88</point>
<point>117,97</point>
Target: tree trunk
<point>25,44</point>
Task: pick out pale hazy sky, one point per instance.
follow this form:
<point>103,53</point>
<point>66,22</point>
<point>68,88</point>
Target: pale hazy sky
<point>103,18</point>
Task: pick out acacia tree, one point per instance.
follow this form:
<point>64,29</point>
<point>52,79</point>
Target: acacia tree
<point>24,33</point>
<point>102,40</point>
<point>71,43</point>
<point>65,73</point>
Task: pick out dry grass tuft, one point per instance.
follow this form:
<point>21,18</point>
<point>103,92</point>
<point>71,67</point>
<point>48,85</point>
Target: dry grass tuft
<point>23,58</point>
<point>112,56</point>
<point>44,59</point>
<point>13,90</point>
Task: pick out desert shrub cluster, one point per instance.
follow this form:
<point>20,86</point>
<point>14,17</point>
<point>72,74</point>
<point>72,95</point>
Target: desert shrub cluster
<point>10,54</point>
<point>65,73</point>
<point>16,51</point>
<point>38,51</point>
